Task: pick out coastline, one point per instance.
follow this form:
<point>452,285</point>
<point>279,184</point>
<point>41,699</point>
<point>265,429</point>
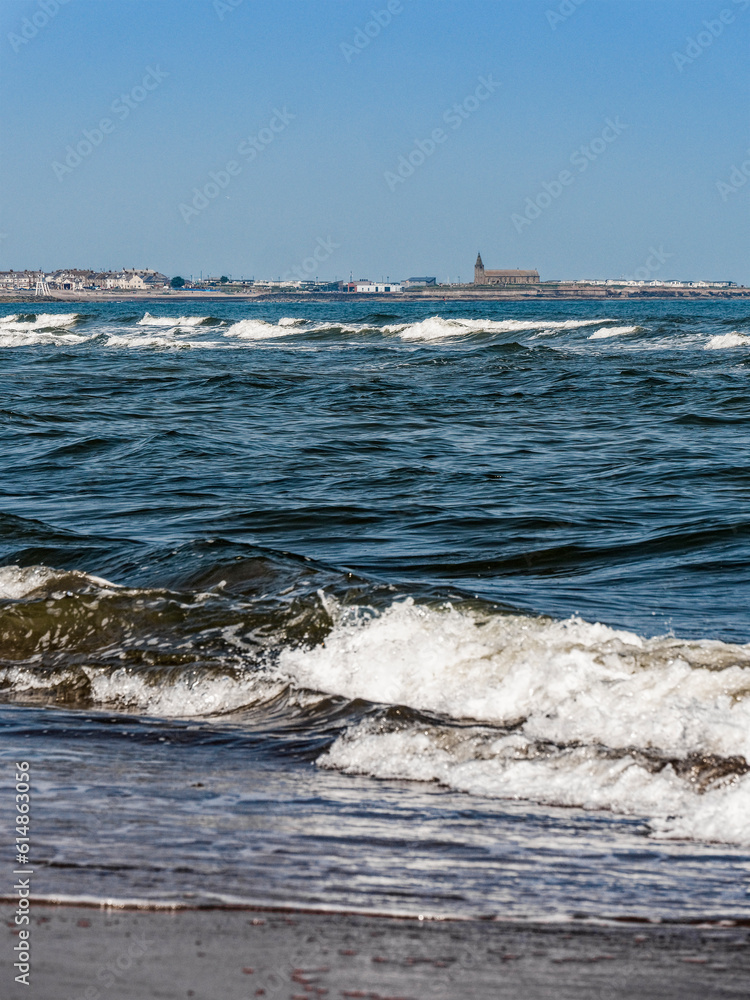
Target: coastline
<point>463,295</point>
<point>97,952</point>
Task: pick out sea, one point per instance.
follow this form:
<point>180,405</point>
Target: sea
<point>435,609</point>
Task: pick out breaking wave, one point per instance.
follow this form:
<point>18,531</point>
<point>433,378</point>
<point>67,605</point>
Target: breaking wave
<point>27,329</point>
<point>437,328</point>
<point>489,703</point>
<point>614,331</point>
<point>560,712</point>
<point>182,321</point>
<point>259,329</point>
<point>724,340</point>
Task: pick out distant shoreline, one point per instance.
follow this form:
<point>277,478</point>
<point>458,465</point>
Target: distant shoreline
<point>559,294</point>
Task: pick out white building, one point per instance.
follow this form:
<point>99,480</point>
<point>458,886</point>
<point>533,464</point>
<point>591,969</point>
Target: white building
<point>377,287</point>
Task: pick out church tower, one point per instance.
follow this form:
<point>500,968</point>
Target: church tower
<point>479,271</point>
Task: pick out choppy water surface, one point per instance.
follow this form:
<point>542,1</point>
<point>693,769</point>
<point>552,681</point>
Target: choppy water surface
<point>441,608</point>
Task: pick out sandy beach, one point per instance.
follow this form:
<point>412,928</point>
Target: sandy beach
<point>87,953</point>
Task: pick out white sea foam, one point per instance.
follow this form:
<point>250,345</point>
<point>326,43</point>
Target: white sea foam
<point>570,680</point>
<point>44,328</point>
<point>169,339</point>
<point>149,320</point>
<point>438,328</point>
<point>610,695</point>
<point>258,329</point>
<point>17,582</point>
<point>724,340</point>
<point>51,321</point>
<point>185,696</point>
<point>512,767</point>
<point>614,331</point>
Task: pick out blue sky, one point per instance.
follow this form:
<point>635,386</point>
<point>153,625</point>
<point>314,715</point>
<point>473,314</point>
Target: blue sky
<point>304,111</point>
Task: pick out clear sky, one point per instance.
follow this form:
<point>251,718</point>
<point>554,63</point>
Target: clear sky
<point>116,113</point>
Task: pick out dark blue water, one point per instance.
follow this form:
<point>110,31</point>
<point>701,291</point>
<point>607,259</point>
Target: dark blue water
<point>195,500</point>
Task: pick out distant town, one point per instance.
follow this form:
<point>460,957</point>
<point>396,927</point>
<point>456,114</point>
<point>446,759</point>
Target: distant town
<point>141,282</point>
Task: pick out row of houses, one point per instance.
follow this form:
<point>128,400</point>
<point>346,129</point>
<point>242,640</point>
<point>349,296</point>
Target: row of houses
<point>655,283</point>
<point>78,280</point>
<point>363,286</point>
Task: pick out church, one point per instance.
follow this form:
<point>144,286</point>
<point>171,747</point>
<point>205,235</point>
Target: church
<point>482,277</point>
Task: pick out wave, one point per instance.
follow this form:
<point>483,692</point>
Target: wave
<point>614,331</point>
<point>725,340</point>
<point>181,321</point>
<point>166,340</point>
<point>565,713</point>
<point>258,329</point>
<point>38,321</point>
<point>491,765</point>
<point>487,702</point>
<point>28,329</point>
<point>437,328</point>
<point>17,582</point>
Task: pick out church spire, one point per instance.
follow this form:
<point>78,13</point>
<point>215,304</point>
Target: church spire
<point>479,271</point>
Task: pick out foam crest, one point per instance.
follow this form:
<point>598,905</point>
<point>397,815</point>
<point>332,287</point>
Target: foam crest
<point>258,329</point>
<point>569,680</point>
<point>149,320</point>
<point>186,695</point>
<point>23,323</point>
<point>600,718</point>
<point>20,330</point>
<point>614,331</point>
<point>437,328</point>
<point>17,582</point>
<point>168,339</point>
<point>724,340</point>
<point>182,696</point>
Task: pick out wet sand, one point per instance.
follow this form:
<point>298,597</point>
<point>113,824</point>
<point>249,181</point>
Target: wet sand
<point>89,953</point>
